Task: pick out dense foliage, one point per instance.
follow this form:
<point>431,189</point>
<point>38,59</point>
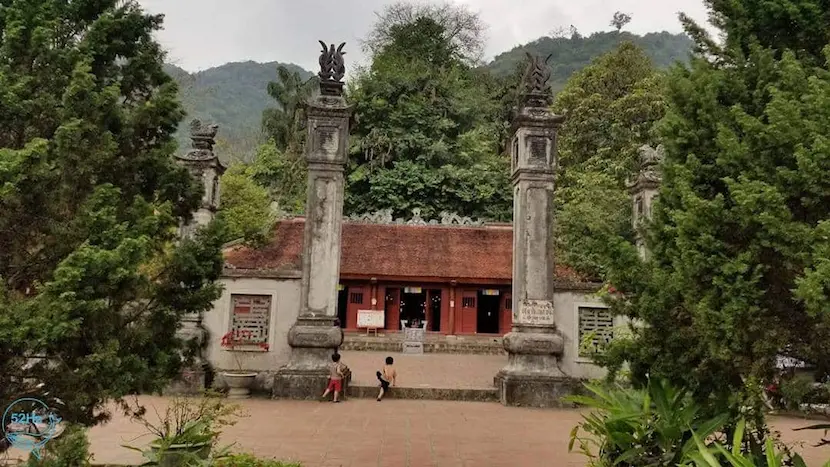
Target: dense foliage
<point>740,238</point>
<point>611,107</point>
<point>428,132</point>
<point>92,280</point>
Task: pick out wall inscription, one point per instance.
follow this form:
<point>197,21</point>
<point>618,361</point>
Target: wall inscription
<point>534,312</point>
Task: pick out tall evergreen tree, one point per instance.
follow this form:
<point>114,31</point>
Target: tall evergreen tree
<point>92,280</point>
<point>738,271</point>
<point>611,108</point>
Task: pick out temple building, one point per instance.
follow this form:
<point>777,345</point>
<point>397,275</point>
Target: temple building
<point>452,275</point>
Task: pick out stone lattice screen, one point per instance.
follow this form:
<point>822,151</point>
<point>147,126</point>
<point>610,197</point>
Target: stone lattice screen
<point>250,318</point>
<point>598,321</point>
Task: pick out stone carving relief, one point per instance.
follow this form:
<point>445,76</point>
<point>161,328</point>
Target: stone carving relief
<point>384,216</point>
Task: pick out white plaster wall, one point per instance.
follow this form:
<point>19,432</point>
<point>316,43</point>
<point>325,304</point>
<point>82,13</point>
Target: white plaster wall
<point>285,299</point>
<point>567,304</point>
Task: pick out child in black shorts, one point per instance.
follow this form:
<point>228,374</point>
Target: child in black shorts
<point>387,377</point>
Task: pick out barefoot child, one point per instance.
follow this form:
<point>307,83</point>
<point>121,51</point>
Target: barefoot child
<point>387,376</point>
<point>335,378</point>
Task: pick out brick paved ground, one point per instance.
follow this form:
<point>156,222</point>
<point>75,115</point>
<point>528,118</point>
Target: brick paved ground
<point>397,433</point>
<point>428,370</point>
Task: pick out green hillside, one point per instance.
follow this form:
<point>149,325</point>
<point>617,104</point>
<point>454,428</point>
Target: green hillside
<point>572,54</point>
<point>233,96</point>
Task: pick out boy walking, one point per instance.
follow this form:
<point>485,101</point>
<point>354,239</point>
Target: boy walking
<point>335,378</point>
<point>387,377</point>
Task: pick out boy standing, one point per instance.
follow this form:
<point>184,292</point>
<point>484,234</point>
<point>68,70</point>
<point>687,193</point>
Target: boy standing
<point>335,378</point>
<point>387,377</point>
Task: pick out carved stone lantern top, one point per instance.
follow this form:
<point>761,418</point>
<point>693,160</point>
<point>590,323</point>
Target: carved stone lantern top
<point>332,69</point>
<point>535,87</point>
<point>648,175</point>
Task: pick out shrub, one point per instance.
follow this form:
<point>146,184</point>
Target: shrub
<point>70,449</point>
<point>248,460</point>
<point>645,427</point>
<point>794,391</point>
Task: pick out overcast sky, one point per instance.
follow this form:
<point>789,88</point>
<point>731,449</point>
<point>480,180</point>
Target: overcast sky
<point>201,34</point>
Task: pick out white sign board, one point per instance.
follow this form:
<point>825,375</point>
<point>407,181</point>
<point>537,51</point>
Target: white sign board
<point>372,319</point>
<point>535,312</point>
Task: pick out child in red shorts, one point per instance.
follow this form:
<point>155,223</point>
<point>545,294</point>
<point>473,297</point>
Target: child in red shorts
<point>335,378</point>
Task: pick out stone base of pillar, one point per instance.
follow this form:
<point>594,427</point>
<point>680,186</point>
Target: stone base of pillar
<point>191,381</point>
<point>535,389</point>
<point>533,377</point>
<point>306,375</point>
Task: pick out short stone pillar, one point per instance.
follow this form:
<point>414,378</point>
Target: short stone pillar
<point>643,189</point>
<point>533,376</point>
<point>204,166</point>
<point>314,338</point>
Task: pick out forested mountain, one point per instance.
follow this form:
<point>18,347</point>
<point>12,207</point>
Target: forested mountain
<point>234,95</point>
<point>571,54</point>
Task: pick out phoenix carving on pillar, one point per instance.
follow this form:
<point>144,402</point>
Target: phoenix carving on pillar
<point>537,75</point>
<point>332,65</point>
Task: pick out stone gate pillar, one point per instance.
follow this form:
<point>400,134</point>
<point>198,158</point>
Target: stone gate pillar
<point>313,338</point>
<point>533,376</point>
<point>204,165</point>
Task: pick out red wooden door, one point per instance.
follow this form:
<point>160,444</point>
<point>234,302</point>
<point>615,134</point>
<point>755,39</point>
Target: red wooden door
<point>392,300</point>
<point>506,309</point>
<point>469,311</point>
<point>358,300</point>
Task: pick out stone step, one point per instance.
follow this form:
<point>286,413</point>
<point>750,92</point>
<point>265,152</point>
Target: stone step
<point>393,345</point>
<point>441,394</point>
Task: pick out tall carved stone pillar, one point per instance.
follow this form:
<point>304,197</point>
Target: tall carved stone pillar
<point>643,189</point>
<point>204,166</point>
<point>533,376</point>
<point>313,338</point>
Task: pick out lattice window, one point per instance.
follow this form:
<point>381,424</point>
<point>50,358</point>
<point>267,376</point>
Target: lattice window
<point>356,297</point>
<point>250,318</point>
<point>468,302</point>
<point>599,324</point>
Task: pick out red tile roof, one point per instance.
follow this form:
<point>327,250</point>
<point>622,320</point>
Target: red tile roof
<point>378,250</point>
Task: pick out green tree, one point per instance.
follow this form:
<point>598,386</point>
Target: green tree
<point>92,280</point>
<point>428,131</point>
<point>283,175</point>
<point>738,270</point>
<point>284,124</point>
<point>611,107</point>
<point>246,206</point>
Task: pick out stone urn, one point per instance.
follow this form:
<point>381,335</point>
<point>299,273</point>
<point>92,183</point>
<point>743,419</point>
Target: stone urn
<point>177,455</point>
<point>240,384</point>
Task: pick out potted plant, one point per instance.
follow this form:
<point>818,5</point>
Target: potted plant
<point>240,381</point>
<point>186,432</point>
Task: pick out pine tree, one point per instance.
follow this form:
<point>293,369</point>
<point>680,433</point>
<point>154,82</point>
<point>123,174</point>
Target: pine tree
<point>92,280</point>
<point>738,271</point>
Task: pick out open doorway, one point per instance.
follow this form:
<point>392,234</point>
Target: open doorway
<point>487,318</point>
<point>434,310</point>
<point>413,305</point>
<point>342,304</point>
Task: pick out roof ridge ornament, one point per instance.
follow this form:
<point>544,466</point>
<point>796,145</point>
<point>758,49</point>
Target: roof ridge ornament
<point>332,69</point>
<point>384,217</point>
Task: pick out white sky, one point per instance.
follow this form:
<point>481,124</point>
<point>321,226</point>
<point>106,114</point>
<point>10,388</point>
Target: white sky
<point>201,34</point>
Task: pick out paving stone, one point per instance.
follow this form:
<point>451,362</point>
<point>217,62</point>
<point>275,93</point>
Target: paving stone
<point>411,433</point>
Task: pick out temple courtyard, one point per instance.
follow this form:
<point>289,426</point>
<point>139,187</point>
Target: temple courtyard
<point>361,432</point>
<point>395,433</point>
